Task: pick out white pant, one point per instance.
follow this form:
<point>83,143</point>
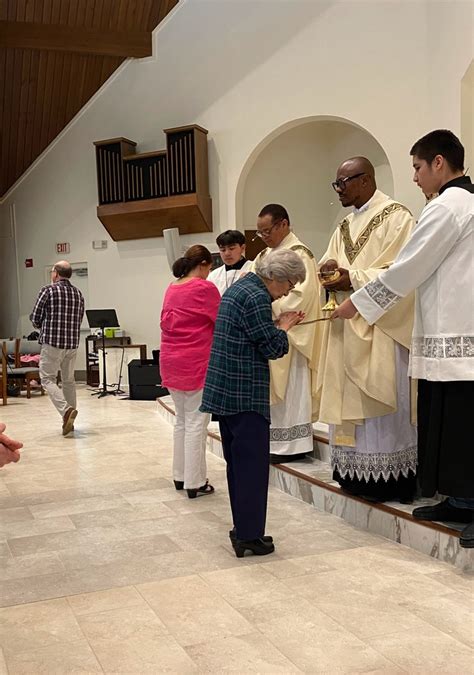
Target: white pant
<point>190,433</point>
<point>53,359</point>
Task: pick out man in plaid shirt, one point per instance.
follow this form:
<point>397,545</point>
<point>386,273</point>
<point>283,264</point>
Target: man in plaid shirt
<point>58,313</point>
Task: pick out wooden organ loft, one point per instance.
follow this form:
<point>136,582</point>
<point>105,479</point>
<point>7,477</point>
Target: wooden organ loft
<point>140,195</point>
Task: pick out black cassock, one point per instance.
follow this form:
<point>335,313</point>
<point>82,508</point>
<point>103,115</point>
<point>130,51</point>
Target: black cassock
<point>446,438</point>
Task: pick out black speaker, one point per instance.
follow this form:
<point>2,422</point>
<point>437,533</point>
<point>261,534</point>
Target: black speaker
<point>144,380</point>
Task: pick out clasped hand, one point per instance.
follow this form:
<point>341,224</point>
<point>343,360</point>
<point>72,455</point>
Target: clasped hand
<point>287,320</point>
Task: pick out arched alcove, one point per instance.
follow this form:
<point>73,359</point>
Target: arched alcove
<point>295,165</point>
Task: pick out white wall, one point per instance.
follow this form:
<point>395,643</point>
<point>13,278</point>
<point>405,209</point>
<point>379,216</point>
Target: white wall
<point>467,116</point>
<point>296,169</point>
<point>9,299</point>
<point>241,69</point>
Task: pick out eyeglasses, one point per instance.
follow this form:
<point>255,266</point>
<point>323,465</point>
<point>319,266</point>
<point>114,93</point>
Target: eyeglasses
<point>267,232</point>
<point>340,183</point>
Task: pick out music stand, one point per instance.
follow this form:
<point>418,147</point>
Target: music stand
<point>102,318</point>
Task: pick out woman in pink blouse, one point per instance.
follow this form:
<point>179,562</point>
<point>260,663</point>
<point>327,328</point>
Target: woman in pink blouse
<point>187,325</point>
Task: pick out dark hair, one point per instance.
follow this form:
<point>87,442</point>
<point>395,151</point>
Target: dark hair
<point>276,211</point>
<point>230,237</point>
<point>194,256</point>
<point>63,271</point>
<point>440,142</point>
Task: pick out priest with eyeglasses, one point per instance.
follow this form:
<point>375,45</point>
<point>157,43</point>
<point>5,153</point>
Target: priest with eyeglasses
<point>438,261</point>
<point>293,377</point>
<point>363,388</point>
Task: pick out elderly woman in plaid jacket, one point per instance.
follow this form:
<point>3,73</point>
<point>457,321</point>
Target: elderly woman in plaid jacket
<point>237,388</point>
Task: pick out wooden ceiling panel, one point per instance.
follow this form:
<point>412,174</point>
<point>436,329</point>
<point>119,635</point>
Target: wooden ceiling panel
<point>15,107</point>
<point>41,90</point>
<point>21,119</point>
<point>30,111</point>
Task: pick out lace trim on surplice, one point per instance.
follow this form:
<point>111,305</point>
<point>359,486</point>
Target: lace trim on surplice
<point>285,434</point>
<point>381,295</point>
<point>351,463</point>
<point>447,347</point>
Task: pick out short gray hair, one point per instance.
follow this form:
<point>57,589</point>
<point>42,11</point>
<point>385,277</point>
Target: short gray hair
<point>281,265</point>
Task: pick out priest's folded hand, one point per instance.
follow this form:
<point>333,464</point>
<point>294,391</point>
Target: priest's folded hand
<point>346,310</point>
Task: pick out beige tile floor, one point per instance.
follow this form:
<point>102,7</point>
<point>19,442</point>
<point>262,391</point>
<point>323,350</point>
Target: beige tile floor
<point>106,568</point>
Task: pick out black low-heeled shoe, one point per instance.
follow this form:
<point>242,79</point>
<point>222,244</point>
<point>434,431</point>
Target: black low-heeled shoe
<point>179,484</point>
<point>205,489</point>
<point>266,537</point>
<point>256,546</point>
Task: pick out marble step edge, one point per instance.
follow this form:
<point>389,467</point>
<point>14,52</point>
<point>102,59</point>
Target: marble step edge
<point>434,539</point>
<point>386,508</point>
<point>439,527</point>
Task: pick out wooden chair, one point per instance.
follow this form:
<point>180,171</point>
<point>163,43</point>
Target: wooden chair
<point>9,357</point>
<point>25,374</point>
<point>3,374</point>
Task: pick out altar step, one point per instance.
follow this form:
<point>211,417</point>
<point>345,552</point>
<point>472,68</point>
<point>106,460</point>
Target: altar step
<point>310,480</point>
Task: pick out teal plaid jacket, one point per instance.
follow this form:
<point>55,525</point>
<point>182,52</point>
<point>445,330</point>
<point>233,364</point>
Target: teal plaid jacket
<point>238,376</point>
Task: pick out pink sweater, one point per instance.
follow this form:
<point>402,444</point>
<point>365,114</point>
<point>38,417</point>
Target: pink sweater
<point>187,326</point>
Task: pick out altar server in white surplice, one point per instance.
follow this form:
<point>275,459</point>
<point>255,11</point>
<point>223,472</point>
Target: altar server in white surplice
<point>293,377</point>
<point>438,261</point>
<point>231,245</point>
<point>363,385</point>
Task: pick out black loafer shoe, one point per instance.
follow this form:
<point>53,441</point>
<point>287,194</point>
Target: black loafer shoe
<point>286,459</point>
<point>406,499</point>
<point>444,512</point>
<point>266,538</point>
<point>255,546</point>
<point>466,539</point>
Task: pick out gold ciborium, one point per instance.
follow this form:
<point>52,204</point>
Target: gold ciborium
<point>328,278</point>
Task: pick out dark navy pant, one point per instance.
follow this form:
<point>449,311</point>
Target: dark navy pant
<point>246,442</point>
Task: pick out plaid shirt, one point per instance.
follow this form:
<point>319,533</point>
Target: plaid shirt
<point>58,313</point>
<point>238,376</point>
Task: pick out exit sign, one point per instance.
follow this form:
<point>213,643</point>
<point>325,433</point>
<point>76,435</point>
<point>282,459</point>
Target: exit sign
<point>63,248</point>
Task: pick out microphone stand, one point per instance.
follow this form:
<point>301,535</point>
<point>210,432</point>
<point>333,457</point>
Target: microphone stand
<point>103,392</point>
<point>118,390</point>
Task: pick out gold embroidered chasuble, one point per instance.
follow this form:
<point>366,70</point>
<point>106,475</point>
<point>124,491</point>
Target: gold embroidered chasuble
<point>304,338</point>
<point>357,373</point>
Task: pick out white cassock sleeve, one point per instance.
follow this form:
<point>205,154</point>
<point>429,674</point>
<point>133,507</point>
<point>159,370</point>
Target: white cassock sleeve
<point>433,238</point>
